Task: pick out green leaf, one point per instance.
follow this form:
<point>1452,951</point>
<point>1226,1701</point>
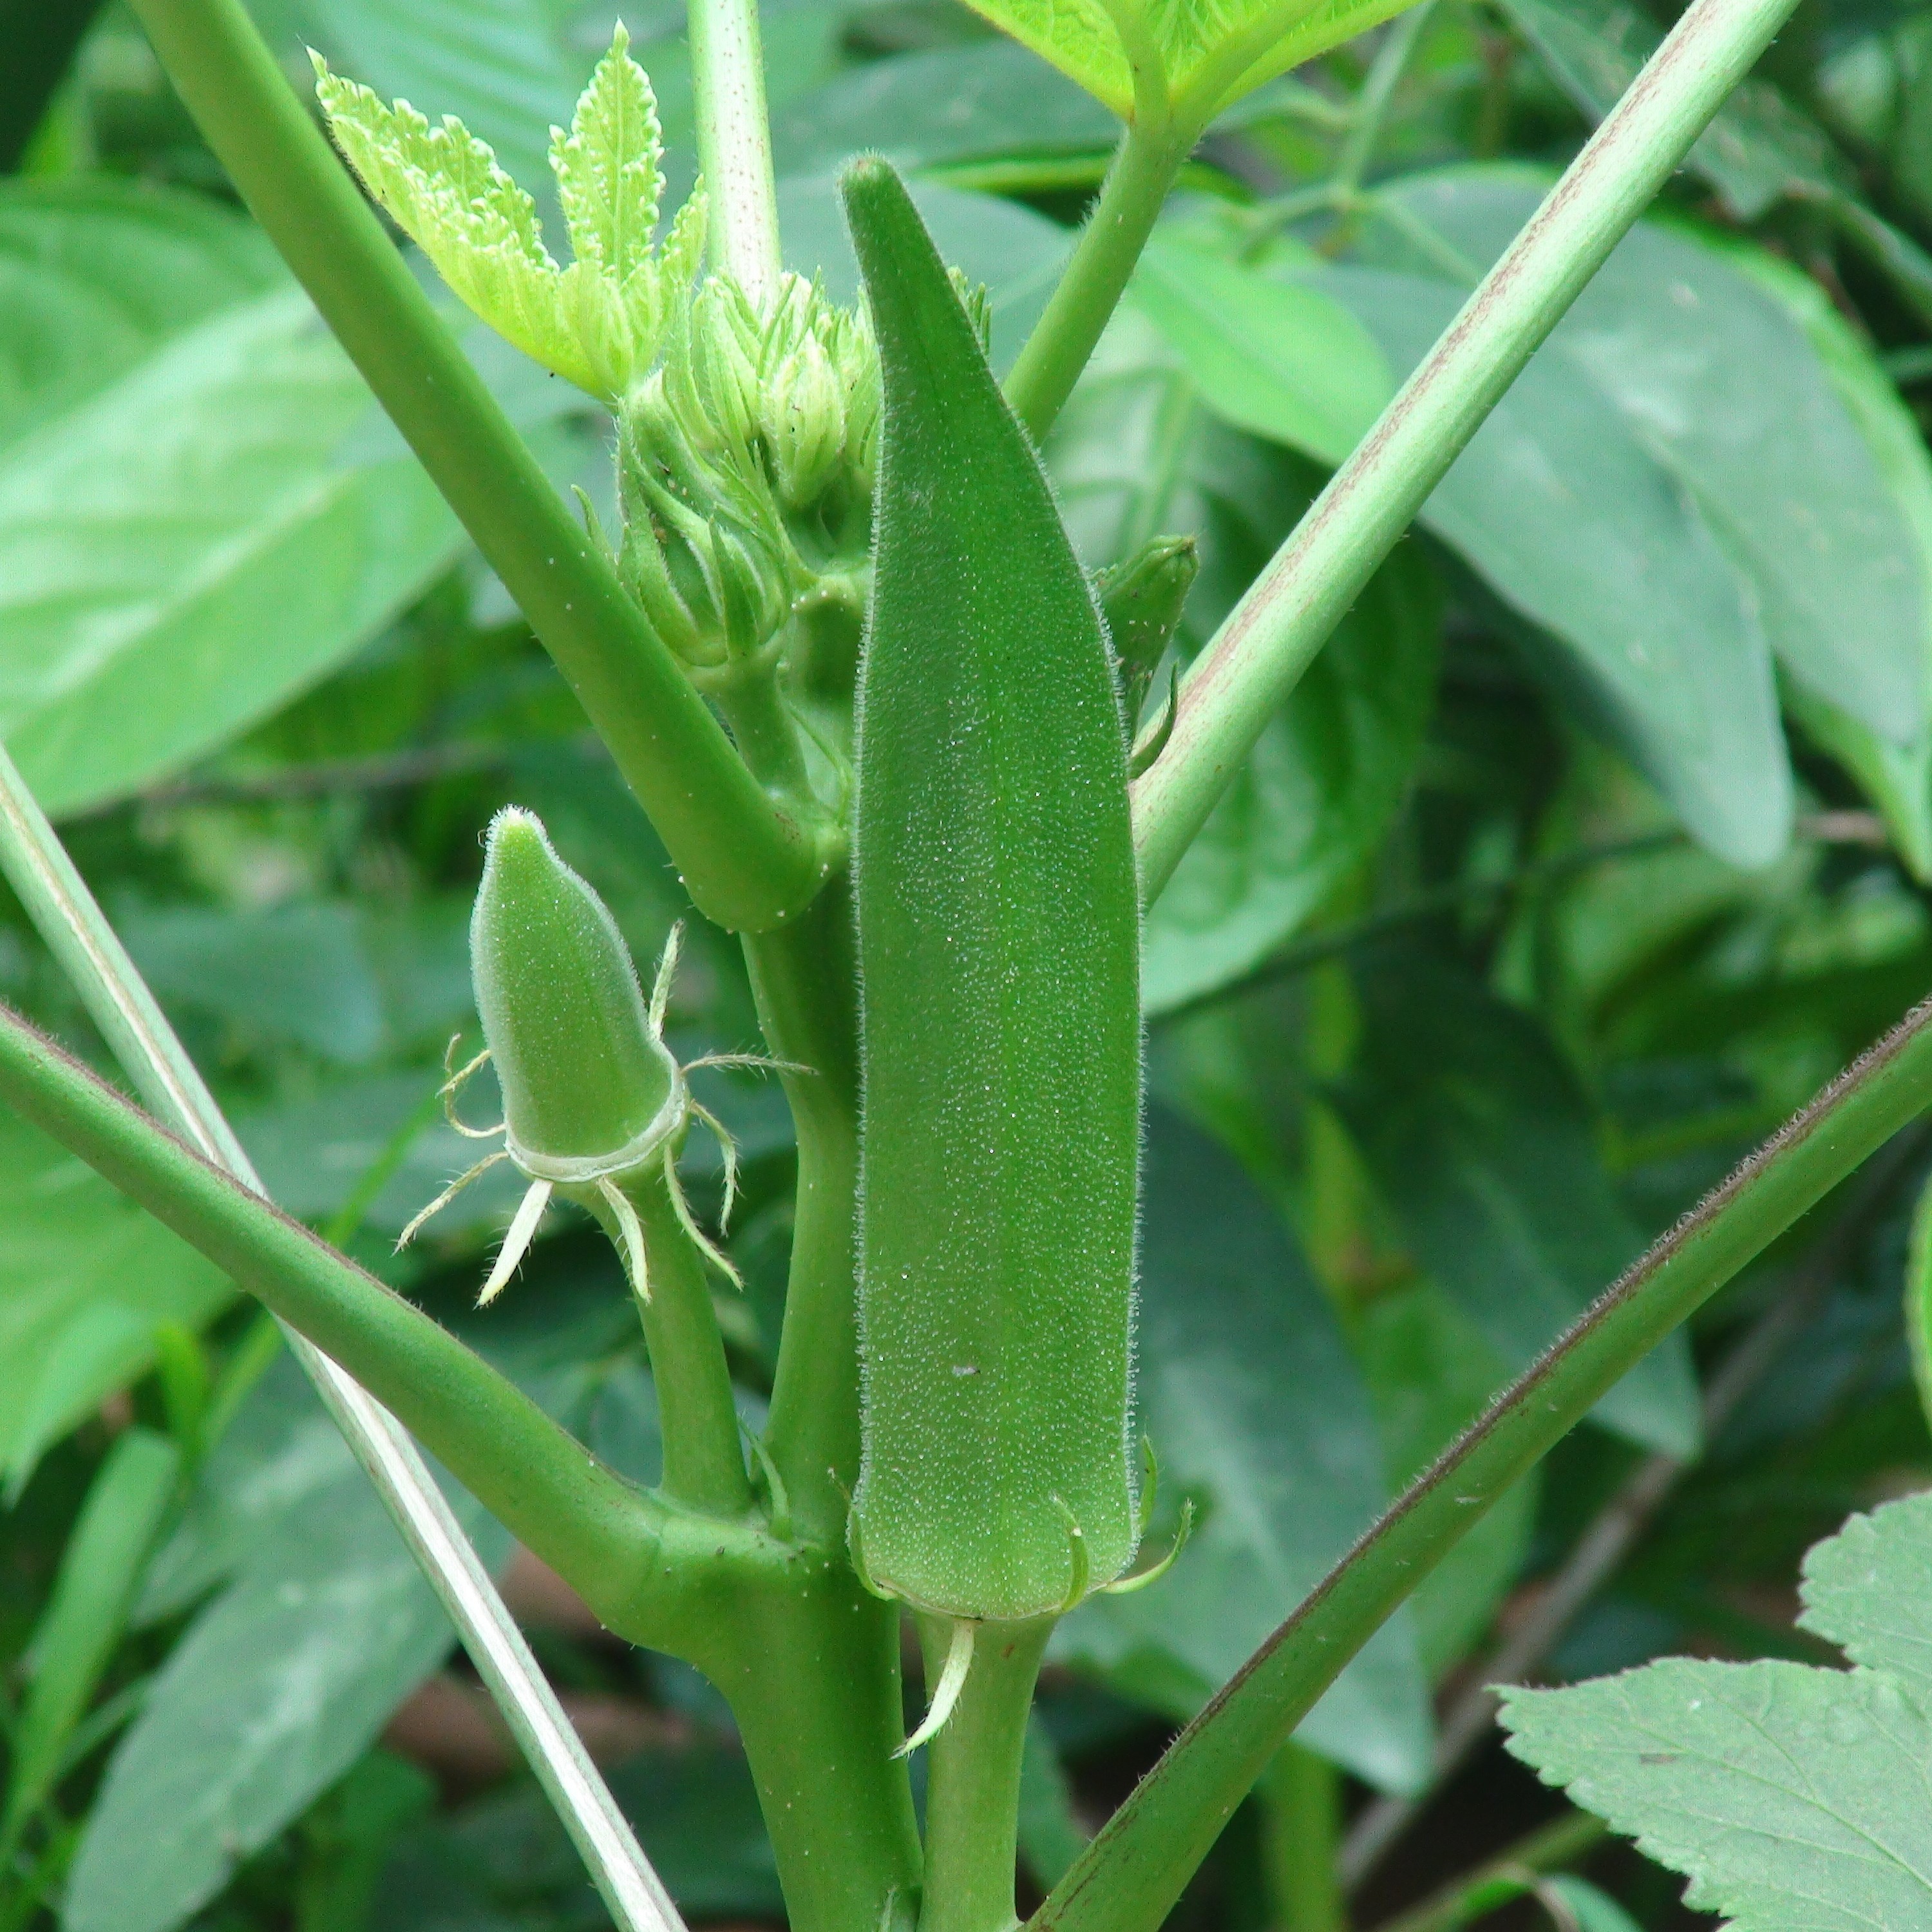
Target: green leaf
<point>1208,52</point>
<point>941,105</point>
<point>1135,452</point>
<point>607,167</point>
<point>1561,504</point>
<point>1789,1795</point>
<point>86,1281</point>
<point>1476,1133</point>
<point>95,275</point>
<point>101,1569</point>
<point>599,323</point>
<point>1897,777</point>
<point>1703,355</point>
<point>279,1686</point>
<point>185,538</point>
<point>1758,148</point>
<point>1283,358</point>
<point>1254,1410</point>
<point>1431,1373</point>
<point>998,920</point>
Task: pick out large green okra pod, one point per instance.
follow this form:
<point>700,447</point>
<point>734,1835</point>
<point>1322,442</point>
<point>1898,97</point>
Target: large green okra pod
<point>998,929</point>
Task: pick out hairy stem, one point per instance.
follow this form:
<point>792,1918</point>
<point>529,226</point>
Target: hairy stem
<point>746,864</point>
<point>734,142</point>
<point>703,1454</point>
<point>1272,635</point>
<point>590,1525</point>
<point>804,978</point>
<point>1040,382</point>
<point>1132,1873</point>
<point>973,1783</point>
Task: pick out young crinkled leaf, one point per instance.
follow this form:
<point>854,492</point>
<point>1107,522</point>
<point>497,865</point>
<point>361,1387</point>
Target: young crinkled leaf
<point>1207,53</point>
<point>998,936</point>
<point>600,322</point>
<point>1792,1798</point>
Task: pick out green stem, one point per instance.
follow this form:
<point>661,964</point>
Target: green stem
<point>611,1540</point>
<point>1300,1796</point>
<point>745,863</point>
<point>703,1453</point>
<point>812,1675</point>
<point>734,142</point>
<point>1132,1873</point>
<point>1150,154</point>
<point>804,978</point>
<point>973,1783</point>
<point>1272,635</point>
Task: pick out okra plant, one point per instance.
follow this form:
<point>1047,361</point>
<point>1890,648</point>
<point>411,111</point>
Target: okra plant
<point>933,770</point>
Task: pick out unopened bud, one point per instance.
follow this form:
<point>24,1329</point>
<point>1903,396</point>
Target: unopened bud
<point>582,1073</point>
<point>803,414</point>
<point>1142,599</point>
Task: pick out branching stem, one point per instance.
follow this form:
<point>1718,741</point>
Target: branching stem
<point>745,863</point>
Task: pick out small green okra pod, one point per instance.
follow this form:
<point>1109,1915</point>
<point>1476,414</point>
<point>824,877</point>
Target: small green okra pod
<point>999,941</point>
<point>594,1101</point>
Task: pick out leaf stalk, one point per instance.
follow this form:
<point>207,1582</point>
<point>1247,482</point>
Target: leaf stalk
<point>1272,635</point>
<point>1145,164</point>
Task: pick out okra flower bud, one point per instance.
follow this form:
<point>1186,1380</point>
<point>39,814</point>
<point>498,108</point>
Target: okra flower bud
<point>583,1073</point>
<point>593,1100</point>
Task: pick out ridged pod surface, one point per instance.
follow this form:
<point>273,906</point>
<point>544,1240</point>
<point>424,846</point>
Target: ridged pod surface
<point>581,1072</point>
<point>998,930</point>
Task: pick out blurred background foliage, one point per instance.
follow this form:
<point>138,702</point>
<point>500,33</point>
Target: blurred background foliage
<point>1596,840</point>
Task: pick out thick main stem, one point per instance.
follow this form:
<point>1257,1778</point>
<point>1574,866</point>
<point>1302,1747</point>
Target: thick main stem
<point>972,1776</point>
<point>812,1675</point>
<point>1272,635</point>
<point>1063,339</point>
<point>746,864</point>
<point>805,979</point>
